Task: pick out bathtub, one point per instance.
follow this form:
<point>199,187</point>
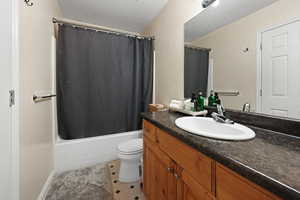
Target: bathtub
<point>75,154</point>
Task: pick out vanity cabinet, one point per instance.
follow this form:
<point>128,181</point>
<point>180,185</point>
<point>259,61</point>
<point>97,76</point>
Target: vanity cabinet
<point>159,180</point>
<point>165,178</point>
<point>175,171</point>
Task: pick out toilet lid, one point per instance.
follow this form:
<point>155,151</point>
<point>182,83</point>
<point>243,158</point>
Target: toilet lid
<point>134,145</point>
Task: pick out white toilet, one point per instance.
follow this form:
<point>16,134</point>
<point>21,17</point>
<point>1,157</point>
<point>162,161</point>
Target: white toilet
<point>130,154</point>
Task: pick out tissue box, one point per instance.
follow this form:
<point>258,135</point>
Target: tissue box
<point>156,107</point>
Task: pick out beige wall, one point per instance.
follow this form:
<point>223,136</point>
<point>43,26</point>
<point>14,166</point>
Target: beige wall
<point>234,69</point>
<point>36,141</point>
<point>168,29</point>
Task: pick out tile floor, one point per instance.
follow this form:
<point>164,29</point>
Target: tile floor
<point>99,182</point>
<point>124,191</point>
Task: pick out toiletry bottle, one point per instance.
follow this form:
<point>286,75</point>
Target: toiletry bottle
<point>217,99</point>
<point>211,98</point>
<point>201,101</point>
<point>194,100</point>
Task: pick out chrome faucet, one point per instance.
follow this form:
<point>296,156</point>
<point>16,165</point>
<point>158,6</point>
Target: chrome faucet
<point>220,109</point>
<point>219,117</point>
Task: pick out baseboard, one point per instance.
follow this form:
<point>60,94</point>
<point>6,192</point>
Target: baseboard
<point>46,186</point>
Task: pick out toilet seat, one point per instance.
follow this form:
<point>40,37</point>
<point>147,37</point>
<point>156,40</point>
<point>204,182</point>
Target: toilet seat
<point>130,153</point>
<point>131,147</point>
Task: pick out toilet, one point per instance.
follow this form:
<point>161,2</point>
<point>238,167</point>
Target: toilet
<point>130,154</point>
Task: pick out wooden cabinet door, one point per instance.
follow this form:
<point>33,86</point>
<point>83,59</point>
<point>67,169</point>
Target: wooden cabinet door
<point>192,190</point>
<point>197,164</point>
<point>231,186</point>
<point>159,179</point>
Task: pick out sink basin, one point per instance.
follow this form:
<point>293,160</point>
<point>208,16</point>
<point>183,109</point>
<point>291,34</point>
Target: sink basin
<point>207,127</point>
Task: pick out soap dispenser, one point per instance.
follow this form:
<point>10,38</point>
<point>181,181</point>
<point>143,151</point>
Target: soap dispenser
<point>201,102</point>
<point>217,99</point>
<point>194,100</point>
<point>211,98</point>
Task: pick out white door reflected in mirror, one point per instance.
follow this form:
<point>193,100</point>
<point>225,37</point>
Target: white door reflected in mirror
<point>280,71</point>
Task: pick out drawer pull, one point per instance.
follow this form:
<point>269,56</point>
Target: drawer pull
<point>176,176</point>
<point>171,170</point>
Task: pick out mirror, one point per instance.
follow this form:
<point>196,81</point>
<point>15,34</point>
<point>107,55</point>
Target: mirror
<point>248,52</point>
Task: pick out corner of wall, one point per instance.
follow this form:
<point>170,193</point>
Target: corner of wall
<point>36,141</point>
<point>168,29</point>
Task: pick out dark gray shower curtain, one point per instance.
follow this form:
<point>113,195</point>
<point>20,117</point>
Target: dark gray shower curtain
<point>104,81</point>
<point>196,63</point>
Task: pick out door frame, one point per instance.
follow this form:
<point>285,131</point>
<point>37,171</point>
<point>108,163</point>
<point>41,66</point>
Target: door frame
<point>15,110</point>
<point>259,60</point>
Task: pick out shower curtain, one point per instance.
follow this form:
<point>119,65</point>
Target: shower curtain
<point>196,64</point>
<point>104,82</point>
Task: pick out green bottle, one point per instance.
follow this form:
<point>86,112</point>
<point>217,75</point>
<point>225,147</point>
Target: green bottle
<point>217,100</point>
<point>201,102</point>
<point>211,98</point>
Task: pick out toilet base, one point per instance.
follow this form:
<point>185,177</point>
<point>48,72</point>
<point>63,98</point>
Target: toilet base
<point>130,168</point>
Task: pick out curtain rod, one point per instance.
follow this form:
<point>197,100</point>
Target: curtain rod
<point>100,28</point>
<point>195,47</point>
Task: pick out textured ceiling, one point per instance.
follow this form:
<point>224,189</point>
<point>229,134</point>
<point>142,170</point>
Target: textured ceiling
<point>227,12</point>
<point>129,15</point>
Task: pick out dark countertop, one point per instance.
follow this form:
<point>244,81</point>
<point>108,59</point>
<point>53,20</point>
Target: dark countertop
<point>271,159</point>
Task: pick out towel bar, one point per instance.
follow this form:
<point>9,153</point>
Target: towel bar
<point>37,99</point>
<point>224,93</point>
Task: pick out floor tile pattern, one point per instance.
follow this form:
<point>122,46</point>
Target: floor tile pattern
<point>124,191</point>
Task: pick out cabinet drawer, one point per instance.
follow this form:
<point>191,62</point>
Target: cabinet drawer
<point>149,131</point>
<point>231,186</point>
<point>196,164</point>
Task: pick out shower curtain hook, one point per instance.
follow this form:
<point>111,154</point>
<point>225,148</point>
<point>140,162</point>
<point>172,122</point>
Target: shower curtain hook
<point>28,3</point>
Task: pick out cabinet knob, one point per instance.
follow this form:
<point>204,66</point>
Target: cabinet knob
<point>170,169</point>
<point>176,176</point>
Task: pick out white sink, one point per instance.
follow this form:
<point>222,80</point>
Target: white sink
<point>207,127</point>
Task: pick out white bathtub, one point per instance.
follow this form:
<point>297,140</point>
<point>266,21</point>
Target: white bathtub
<point>74,154</point>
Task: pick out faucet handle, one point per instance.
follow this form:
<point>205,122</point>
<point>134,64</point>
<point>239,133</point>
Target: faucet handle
<point>246,107</point>
<point>220,109</point>
<point>221,118</point>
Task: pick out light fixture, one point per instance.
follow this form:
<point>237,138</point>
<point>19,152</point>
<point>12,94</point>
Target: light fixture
<point>28,3</point>
<point>216,3</point>
<point>206,3</point>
